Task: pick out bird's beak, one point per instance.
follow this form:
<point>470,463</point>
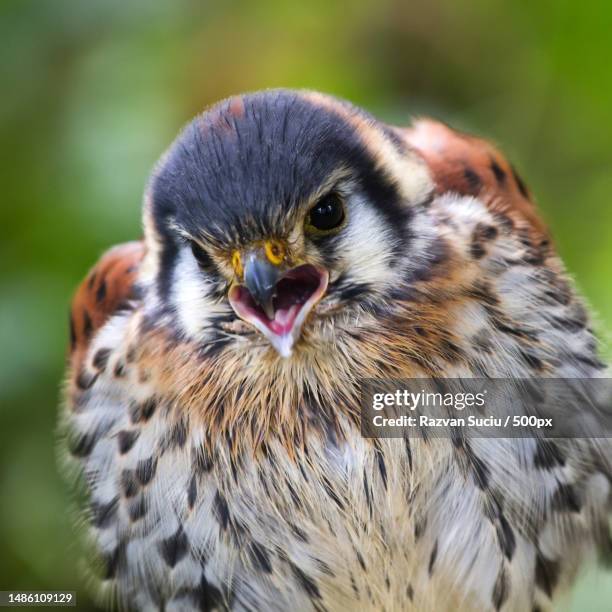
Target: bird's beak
<point>276,299</point>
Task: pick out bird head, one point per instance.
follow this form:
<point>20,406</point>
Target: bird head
<point>275,216</point>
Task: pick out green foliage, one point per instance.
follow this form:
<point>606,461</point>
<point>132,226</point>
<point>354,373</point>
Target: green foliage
<point>94,91</point>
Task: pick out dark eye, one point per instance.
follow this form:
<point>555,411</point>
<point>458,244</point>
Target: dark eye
<point>326,215</point>
<point>201,256</point>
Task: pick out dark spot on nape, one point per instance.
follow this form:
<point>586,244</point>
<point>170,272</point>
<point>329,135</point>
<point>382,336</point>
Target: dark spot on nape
<point>85,380</point>
<point>192,492</point>
<point>73,338</point>
<point>500,175</point>
<point>505,535</point>
<point>137,508</point>
<point>432,558</point>
<point>102,514</point>
<point>520,184</point>
<point>145,470</point>
<point>174,548</point>
<point>473,180</point>
<point>260,558</point>
<point>548,455</point>
<point>87,325</point>
<point>546,574</point>
<point>566,499</point>
<point>306,582</point>
<point>100,359</point>
<point>500,589</point>
<point>101,292</point>
<point>129,483</point>
<point>221,510</point>
<point>126,440</point>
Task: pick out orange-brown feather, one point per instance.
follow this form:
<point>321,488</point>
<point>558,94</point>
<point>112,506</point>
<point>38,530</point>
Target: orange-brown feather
<point>109,284</point>
<point>469,165</point>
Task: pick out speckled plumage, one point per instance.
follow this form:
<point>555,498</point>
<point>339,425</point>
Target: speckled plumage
<point>221,475</point>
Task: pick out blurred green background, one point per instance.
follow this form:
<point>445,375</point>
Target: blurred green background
<point>93,91</point>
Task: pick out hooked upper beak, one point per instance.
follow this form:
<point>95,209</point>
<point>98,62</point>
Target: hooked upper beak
<point>276,298</point>
<point>260,278</point>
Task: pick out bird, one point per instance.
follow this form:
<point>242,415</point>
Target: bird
<point>294,246</point>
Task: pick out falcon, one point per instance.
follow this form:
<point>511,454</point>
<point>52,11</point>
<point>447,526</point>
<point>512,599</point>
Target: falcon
<point>295,246</point>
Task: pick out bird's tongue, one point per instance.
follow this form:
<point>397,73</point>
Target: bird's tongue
<point>295,294</point>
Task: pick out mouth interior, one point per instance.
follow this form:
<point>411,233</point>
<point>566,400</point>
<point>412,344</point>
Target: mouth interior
<point>297,288</point>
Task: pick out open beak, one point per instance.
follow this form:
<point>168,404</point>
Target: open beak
<point>276,300</point>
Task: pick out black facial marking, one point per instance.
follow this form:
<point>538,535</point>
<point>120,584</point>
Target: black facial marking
<point>240,178</point>
<point>174,548</point>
